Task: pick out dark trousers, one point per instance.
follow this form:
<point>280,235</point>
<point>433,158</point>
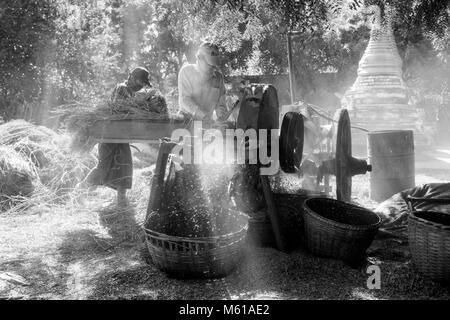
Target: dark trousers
<point>115,166</point>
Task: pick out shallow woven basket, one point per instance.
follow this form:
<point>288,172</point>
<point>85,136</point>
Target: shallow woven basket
<point>339,230</point>
<point>183,257</point>
<point>429,243</point>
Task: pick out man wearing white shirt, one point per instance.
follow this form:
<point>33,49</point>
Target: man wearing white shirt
<point>201,86</point>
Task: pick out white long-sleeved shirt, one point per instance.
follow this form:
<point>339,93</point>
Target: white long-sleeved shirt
<point>201,92</point>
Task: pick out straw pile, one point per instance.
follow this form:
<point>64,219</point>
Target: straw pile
<point>16,177</point>
<point>30,141</point>
<point>35,158</point>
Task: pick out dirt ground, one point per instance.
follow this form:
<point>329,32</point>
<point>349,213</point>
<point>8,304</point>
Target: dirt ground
<point>97,251</point>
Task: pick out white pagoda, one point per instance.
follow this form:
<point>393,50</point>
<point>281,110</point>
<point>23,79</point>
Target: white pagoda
<point>379,100</point>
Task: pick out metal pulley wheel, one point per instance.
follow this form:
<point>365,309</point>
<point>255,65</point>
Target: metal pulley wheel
<point>343,154</point>
<point>344,166</point>
<point>291,142</point>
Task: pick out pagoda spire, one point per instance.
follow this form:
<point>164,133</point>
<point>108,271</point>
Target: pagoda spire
<point>378,99</point>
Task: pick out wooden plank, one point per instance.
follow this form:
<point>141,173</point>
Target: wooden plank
<point>105,140</point>
<point>134,130</point>
<point>273,214</point>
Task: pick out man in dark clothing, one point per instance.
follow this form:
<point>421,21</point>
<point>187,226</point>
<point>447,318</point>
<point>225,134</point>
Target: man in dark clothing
<point>115,166</point>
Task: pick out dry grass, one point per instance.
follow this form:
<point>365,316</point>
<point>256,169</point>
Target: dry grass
<point>16,178</point>
<point>44,157</point>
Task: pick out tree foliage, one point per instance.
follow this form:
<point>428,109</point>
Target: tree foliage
<point>27,29</point>
<point>57,51</point>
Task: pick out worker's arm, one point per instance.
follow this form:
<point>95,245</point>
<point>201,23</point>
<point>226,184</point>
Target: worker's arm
<point>185,101</point>
<point>221,107</point>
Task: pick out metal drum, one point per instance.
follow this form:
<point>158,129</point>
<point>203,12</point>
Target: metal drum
<point>391,154</point>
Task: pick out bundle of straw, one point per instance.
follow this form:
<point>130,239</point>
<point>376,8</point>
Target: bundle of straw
<point>79,117</point>
<point>151,101</point>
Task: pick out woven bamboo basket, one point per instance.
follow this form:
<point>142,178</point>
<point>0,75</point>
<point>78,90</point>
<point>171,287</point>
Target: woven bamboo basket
<point>185,257</point>
<point>289,209</point>
<point>429,241</point>
<point>339,230</point>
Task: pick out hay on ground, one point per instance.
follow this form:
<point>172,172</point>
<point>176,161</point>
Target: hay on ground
<point>16,178</point>
<point>15,131</point>
<point>47,154</point>
<point>33,142</point>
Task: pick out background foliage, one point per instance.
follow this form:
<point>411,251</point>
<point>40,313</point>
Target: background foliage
<point>55,52</point>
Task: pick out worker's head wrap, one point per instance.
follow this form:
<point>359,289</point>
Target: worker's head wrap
<point>141,74</point>
<point>209,53</point>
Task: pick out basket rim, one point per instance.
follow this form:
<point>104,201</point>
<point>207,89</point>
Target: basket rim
<point>302,193</point>
<point>317,216</point>
<point>167,237</point>
<point>198,239</point>
<point>436,225</point>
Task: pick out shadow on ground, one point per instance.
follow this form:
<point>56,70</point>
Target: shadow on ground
<point>264,274</point>
<point>102,255</point>
<point>85,245</point>
<point>120,222</point>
